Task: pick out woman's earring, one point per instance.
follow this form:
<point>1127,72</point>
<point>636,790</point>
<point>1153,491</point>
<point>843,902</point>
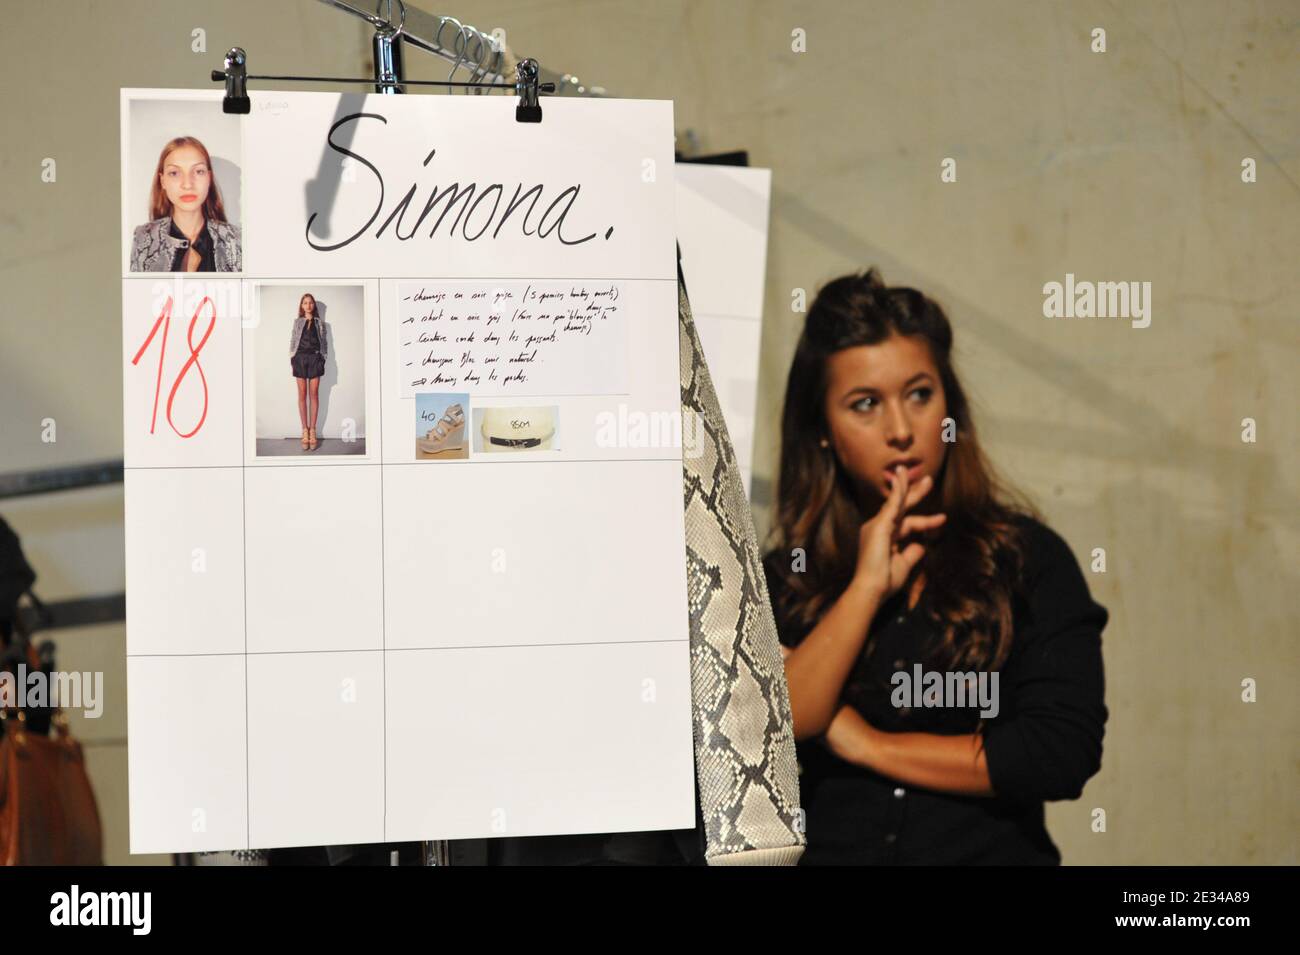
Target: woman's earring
<point>825,443</point>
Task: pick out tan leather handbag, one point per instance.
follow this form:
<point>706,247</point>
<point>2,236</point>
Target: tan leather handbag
<point>48,813</point>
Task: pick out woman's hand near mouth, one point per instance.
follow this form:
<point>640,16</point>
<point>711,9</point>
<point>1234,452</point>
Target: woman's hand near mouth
<point>882,564</point>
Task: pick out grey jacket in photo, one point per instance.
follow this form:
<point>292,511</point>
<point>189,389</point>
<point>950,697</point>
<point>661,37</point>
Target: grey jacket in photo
<point>153,248</point>
<point>322,332</point>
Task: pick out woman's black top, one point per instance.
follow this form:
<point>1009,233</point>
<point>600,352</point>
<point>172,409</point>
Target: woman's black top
<point>309,341</point>
<point>202,245</point>
<point>1043,744</point>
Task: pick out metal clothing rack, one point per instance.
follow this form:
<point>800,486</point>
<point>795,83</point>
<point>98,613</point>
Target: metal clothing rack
<point>396,25</point>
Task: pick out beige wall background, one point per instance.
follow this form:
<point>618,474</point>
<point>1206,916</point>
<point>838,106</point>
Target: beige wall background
<point>1115,166</point>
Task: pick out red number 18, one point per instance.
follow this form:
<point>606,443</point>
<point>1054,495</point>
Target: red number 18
<point>165,319</point>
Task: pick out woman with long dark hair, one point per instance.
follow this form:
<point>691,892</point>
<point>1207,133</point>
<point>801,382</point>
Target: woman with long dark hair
<point>943,653</point>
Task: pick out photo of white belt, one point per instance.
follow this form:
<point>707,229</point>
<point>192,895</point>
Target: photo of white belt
<point>518,429</point>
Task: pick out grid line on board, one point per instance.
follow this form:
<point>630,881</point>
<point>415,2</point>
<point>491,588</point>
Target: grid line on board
<point>398,464</point>
<point>243,509</point>
<point>383,566</point>
<point>465,646</point>
<point>337,280</point>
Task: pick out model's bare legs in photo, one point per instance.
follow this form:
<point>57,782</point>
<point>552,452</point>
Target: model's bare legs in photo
<point>302,409</point>
<point>314,386</point>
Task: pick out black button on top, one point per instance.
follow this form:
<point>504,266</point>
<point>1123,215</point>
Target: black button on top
<point>891,837</point>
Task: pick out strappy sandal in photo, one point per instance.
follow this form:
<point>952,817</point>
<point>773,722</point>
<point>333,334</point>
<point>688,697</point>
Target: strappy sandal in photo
<point>311,439</point>
<point>305,439</point>
<point>447,435</point>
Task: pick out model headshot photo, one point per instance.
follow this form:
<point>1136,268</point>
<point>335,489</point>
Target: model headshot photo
<point>898,553</point>
<point>187,228</point>
<point>309,401</point>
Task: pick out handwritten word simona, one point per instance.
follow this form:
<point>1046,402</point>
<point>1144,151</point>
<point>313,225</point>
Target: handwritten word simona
<point>551,223</point>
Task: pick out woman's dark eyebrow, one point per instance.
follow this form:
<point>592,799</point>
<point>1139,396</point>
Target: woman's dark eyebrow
<point>875,391</point>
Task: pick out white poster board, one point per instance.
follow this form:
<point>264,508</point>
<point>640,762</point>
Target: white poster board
<point>464,614</point>
<point>722,225</point>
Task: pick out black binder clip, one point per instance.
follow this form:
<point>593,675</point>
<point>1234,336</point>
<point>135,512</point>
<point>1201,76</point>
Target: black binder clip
<point>529,109</point>
<point>236,77</point>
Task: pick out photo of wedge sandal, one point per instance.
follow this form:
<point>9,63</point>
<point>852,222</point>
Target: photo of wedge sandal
<point>447,435</point>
